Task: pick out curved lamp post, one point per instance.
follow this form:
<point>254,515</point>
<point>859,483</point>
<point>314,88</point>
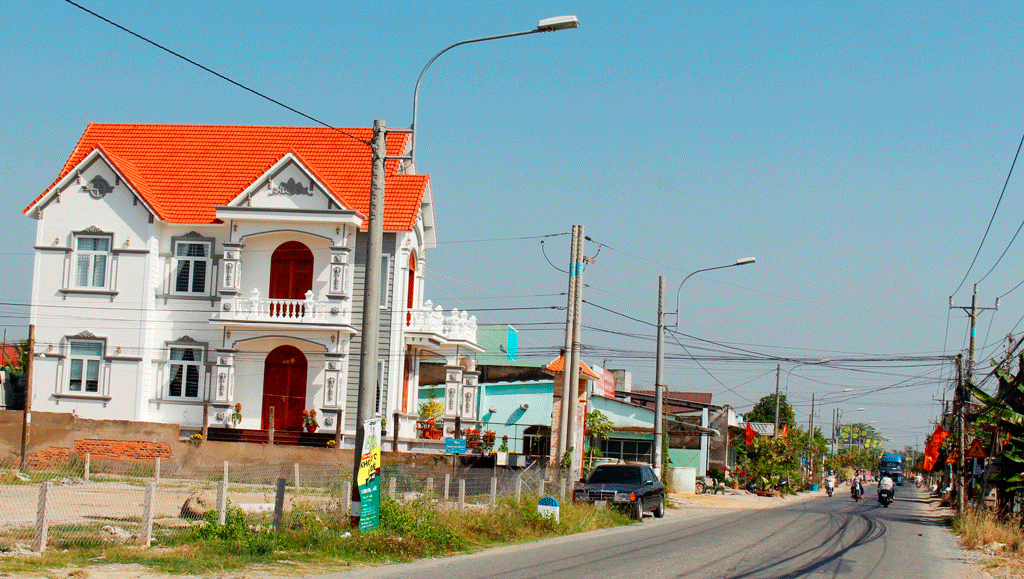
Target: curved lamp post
<point>839,424</point>
<point>657,459</point>
<point>546,25</point>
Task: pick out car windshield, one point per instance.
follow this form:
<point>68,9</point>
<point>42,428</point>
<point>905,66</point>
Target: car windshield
<point>616,475</point>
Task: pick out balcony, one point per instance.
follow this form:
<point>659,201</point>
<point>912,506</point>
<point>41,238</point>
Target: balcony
<point>430,320</point>
<point>255,311</point>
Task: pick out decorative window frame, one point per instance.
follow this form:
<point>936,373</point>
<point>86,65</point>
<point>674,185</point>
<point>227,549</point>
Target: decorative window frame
<point>385,278</point>
<point>201,365</point>
<point>208,283</point>
<point>102,383</point>
<point>76,253</point>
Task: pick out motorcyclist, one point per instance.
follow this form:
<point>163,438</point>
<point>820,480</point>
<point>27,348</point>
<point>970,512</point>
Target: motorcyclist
<point>856,487</point>
<point>886,484</point>
<point>830,482</point>
<point>918,480</point>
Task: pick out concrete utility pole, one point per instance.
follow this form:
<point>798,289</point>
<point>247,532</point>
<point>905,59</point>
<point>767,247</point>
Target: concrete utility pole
<point>26,415</point>
<point>371,309</point>
<point>810,439</point>
<point>570,325</point>
<point>962,395</point>
<point>658,379</point>
<point>574,370</point>
<point>778,370</point>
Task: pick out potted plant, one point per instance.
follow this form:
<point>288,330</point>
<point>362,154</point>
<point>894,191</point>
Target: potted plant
<point>473,438</point>
<point>430,412</point>
<point>309,420</point>
<point>487,441</point>
<point>236,416</point>
<point>501,456</point>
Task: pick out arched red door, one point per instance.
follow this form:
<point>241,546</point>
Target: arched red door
<point>291,271</point>
<point>284,388</point>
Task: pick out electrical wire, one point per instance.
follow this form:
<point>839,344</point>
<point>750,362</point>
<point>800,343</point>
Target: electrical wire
<point>217,74</point>
<point>989,226</point>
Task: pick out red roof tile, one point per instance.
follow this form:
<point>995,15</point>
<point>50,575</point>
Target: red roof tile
<point>184,171</point>
<point>558,366</point>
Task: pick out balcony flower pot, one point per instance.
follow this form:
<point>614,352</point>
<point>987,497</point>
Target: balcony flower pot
<point>311,428</point>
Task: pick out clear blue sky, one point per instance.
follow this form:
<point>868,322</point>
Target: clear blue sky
<point>856,150</point>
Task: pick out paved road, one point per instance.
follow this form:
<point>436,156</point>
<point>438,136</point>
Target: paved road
<point>816,536</point>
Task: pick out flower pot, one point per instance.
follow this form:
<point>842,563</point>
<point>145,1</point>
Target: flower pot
<point>735,484</point>
<point>311,428</point>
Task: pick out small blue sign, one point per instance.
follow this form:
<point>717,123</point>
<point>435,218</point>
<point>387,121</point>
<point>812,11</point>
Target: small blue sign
<point>548,502</point>
<point>455,446</point>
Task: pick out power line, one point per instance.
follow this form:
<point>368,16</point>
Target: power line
<point>217,74</point>
<point>991,219</point>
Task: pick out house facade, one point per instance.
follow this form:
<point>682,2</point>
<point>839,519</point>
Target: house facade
<point>181,271</point>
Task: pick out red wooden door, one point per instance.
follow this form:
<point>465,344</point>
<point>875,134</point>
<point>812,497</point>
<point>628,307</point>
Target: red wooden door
<point>291,271</point>
<point>284,388</point>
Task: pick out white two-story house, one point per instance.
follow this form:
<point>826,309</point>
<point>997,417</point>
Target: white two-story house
<point>181,270</point>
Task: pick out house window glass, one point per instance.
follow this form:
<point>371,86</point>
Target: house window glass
<point>93,254</point>
<point>85,367</point>
<point>628,450</point>
<point>186,364</point>
<point>192,261</point>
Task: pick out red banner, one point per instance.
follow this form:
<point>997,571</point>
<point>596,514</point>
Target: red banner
<point>931,450</point>
<point>750,433</point>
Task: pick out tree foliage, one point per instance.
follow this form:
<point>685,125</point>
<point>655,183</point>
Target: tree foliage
<point>764,411</point>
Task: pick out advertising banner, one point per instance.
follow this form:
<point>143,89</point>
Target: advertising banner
<point>369,476</point>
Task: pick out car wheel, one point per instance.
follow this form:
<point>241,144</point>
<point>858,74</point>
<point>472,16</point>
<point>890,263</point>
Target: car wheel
<point>699,488</point>
<point>637,509</point>
<point>659,511</point>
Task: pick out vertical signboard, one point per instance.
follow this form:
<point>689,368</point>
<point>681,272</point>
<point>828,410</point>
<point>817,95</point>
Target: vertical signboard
<point>369,476</point>
<point>606,387</point>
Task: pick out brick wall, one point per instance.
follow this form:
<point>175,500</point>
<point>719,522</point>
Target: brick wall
<point>52,456</point>
<point>122,449</point>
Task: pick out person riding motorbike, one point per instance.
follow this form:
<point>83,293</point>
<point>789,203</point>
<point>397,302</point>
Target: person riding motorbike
<point>918,480</point>
<point>857,488</point>
<point>830,483</point>
<point>886,487</point>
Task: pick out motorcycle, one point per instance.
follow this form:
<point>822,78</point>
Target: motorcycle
<point>885,497</point>
<point>830,488</point>
<point>856,491</point>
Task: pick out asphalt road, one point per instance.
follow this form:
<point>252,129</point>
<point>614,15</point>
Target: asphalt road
<point>814,536</point>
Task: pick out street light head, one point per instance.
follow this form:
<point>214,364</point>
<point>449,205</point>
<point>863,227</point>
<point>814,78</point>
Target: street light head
<point>558,23</point>
<point>847,389</point>
<point>746,260</point>
<point>859,409</point>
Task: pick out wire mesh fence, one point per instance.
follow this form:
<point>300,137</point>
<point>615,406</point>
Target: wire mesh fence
<point>83,502</point>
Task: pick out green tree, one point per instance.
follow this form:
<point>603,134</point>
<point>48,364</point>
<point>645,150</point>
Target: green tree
<point>1005,412</point>
<point>764,411</point>
<point>598,428</point>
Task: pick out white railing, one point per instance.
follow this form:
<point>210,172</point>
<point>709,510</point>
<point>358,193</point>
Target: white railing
<point>257,309</point>
<point>430,319</point>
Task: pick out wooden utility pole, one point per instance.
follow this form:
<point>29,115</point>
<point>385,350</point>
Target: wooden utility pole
<point>26,417</point>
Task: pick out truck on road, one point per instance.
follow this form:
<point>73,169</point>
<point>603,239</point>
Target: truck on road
<point>891,466</point>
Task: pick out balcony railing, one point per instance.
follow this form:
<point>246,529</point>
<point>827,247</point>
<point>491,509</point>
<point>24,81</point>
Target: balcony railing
<point>430,319</point>
<point>308,311</point>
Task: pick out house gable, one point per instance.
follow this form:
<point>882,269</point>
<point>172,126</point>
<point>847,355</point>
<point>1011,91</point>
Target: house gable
<point>288,184</point>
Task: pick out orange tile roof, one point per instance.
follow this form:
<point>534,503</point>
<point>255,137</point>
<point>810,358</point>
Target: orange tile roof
<point>558,366</point>
<point>184,171</point>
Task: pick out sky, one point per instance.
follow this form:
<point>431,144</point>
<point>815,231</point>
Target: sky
<point>857,151</point>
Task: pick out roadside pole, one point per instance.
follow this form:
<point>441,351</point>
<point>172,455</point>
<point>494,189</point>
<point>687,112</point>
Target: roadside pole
<point>26,415</point>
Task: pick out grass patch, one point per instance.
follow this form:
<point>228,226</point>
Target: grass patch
<point>978,530</point>
<point>314,538</point>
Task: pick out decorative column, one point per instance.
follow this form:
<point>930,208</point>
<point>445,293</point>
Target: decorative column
<point>223,387</point>
<point>452,386</point>
<point>231,270</point>
<point>470,390</point>
<point>339,302</point>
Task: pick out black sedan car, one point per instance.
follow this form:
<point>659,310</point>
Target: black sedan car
<point>631,487</point>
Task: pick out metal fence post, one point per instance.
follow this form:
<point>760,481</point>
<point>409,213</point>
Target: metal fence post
<point>147,513</point>
<point>39,542</point>
<point>494,490</point>
<point>447,485</point>
<point>88,466</point>
<point>392,487</point>
<point>519,488</point>
<point>297,485</point>
<point>348,497</point>
<point>156,472</point>
<point>225,477</point>
<point>430,486</point>
<point>462,493</point>
<point>270,429</point>
<point>540,488</point>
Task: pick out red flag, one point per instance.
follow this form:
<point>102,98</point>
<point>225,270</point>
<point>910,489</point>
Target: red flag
<point>931,450</point>
<point>785,430</point>
<point>750,433</point>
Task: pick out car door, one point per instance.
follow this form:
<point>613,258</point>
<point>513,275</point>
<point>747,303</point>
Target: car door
<point>650,491</point>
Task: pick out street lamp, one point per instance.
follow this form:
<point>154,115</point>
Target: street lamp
<point>811,426</point>
<point>659,365</point>
<point>375,231</point>
<point>546,25</point>
<point>839,424</point>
